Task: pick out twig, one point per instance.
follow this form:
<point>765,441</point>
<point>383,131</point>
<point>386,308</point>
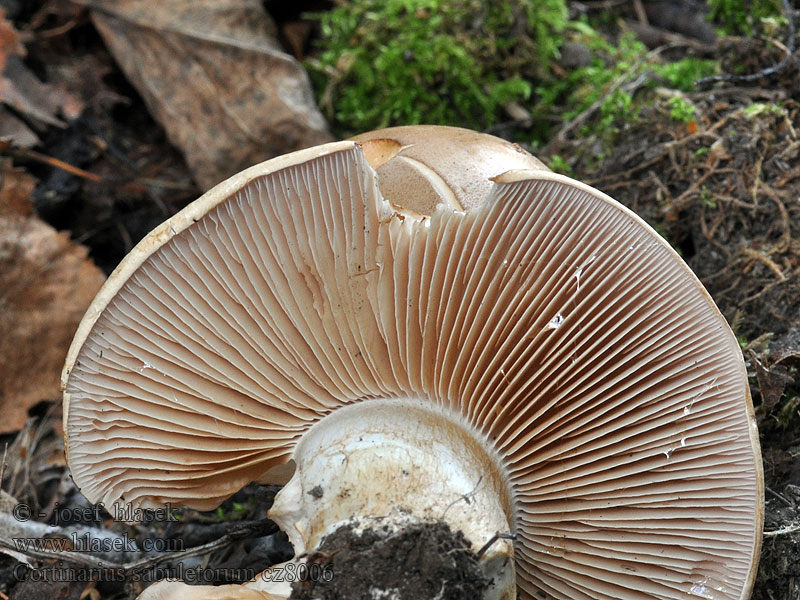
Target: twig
<point>640,13</point>
<point>58,164</point>
<point>782,531</point>
<point>764,260</point>
<point>788,50</point>
<point>27,537</point>
<point>65,166</point>
<point>773,492</point>
<point>240,531</point>
<point>3,465</point>
<point>756,181</point>
<point>494,538</point>
<point>765,289</point>
<point>603,4</point>
<point>55,31</point>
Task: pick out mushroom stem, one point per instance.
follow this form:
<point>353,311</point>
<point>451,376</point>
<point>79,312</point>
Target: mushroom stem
<point>396,459</point>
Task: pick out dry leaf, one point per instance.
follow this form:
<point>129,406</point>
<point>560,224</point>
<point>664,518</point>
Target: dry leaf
<point>212,74</point>
<point>46,284</point>
<point>15,131</point>
<point>772,382</point>
<point>16,187</point>
<point>9,41</point>
<point>22,90</point>
<point>11,128</point>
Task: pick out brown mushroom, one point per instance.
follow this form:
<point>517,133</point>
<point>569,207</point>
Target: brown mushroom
<point>541,357</point>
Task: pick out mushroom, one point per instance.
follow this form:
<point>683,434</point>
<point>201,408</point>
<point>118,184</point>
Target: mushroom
<point>495,346</point>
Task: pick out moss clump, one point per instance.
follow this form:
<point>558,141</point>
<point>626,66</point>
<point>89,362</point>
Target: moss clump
<point>456,62</point>
<point>741,17</point>
<point>682,74</point>
<point>463,62</point>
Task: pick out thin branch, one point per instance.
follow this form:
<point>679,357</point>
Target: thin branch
<point>782,531</point>
<point>237,532</point>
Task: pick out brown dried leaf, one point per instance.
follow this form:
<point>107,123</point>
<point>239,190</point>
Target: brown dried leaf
<point>15,131</point>
<point>22,90</point>
<point>16,187</point>
<point>47,284</point>
<point>9,41</point>
<point>11,128</point>
<point>212,74</point>
<point>772,382</point>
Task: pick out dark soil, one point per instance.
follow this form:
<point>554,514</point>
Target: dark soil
<point>780,554</point>
<point>422,561</point>
<point>725,196</point>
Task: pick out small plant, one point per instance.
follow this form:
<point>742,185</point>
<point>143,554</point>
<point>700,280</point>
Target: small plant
<point>584,86</point>
<point>617,107</point>
<point>682,74</point>
<point>559,165</point>
<point>740,17</point>
<point>681,109</point>
<point>706,199</point>
<point>762,109</point>
<point>596,84</point>
<point>229,511</point>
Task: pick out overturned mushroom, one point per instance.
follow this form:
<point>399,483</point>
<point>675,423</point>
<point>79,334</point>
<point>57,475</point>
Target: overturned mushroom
<point>506,350</point>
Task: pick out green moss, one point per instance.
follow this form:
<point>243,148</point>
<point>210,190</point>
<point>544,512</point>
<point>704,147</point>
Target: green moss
<point>380,63</point>
<point>762,109</point>
<point>683,73</point>
<point>455,62</point>
<point>740,17</point>
<point>560,165</point>
<point>681,109</point>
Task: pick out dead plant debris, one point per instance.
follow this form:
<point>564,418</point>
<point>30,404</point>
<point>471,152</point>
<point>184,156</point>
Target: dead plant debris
<point>214,77</point>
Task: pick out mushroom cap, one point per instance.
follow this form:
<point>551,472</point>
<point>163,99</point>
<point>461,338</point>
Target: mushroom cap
<point>170,589</point>
<point>551,318</point>
<point>422,166</point>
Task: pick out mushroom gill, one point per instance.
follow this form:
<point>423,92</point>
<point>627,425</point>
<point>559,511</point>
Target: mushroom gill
<point>562,357</point>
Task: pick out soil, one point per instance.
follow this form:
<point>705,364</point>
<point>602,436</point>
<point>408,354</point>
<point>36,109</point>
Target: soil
<point>422,561</point>
<point>723,189</point>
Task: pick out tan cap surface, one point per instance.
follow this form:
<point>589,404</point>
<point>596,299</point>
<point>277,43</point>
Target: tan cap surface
<point>421,166</point>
